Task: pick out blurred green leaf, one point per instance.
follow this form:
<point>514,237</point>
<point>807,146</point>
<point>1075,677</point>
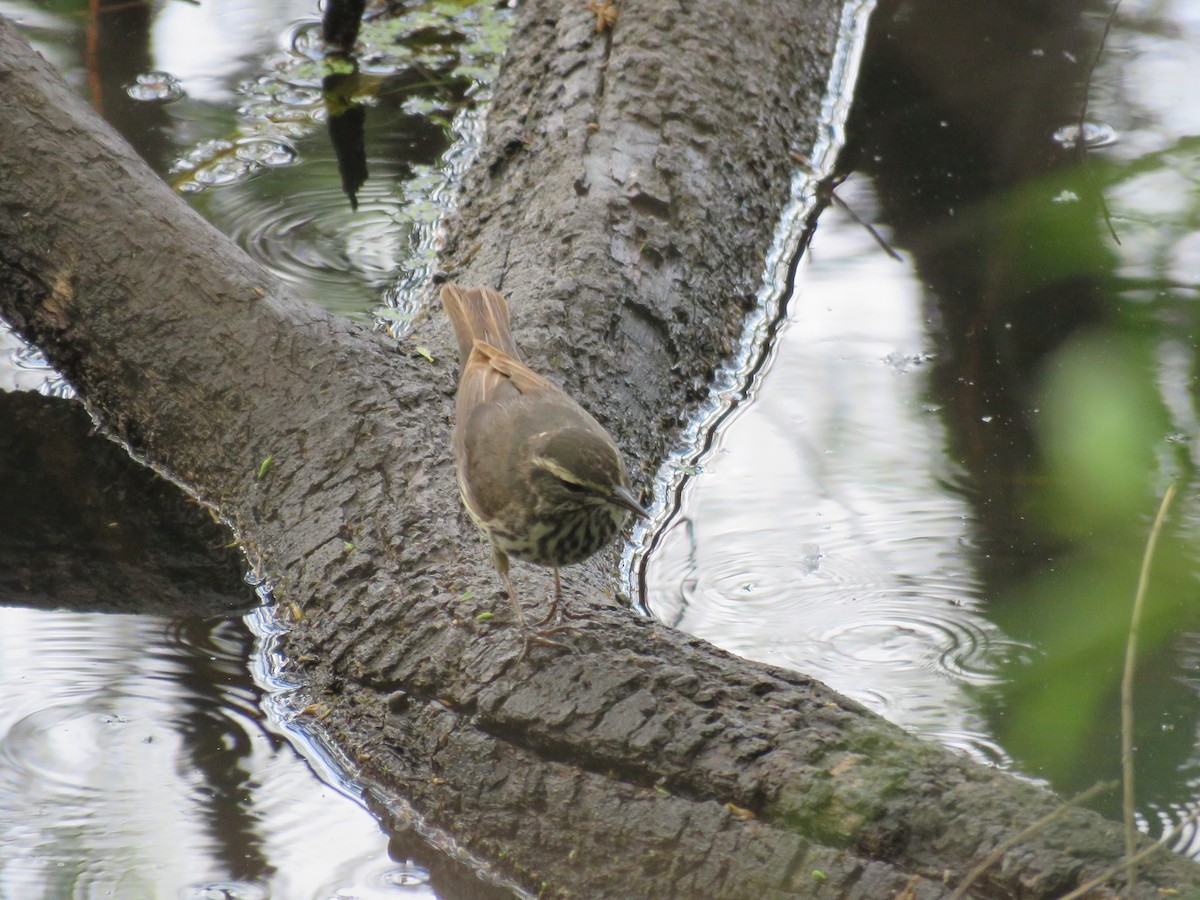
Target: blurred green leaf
<point>1101,422</point>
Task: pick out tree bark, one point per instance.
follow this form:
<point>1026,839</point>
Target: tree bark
<point>624,200</point>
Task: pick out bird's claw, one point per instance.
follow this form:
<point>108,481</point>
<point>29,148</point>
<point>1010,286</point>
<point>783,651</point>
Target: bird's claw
<point>543,637</point>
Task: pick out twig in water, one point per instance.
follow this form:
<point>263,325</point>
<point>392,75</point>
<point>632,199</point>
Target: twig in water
<point>1108,873</point>
<point>1028,831</point>
<point>828,189</point>
<point>1139,603</point>
<point>1080,143</point>
<point>879,239</point>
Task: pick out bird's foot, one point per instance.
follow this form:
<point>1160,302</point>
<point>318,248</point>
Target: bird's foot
<point>544,637</point>
<point>556,615</point>
<point>558,612</point>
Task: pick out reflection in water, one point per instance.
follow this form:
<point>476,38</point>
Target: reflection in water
<point>353,228</point>
<point>850,560</point>
<point>305,230</point>
<point>24,368</point>
<point>135,762</point>
<point>873,517</point>
<point>938,499</point>
<point>135,756</point>
<point>247,80</point>
<point>1059,363</point>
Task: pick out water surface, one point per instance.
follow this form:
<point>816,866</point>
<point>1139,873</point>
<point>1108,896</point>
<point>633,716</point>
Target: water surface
<point>934,497</point>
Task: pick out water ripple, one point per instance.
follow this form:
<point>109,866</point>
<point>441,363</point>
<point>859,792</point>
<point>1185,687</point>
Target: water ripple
<point>825,532</point>
<point>24,368</point>
<point>155,87</point>
<point>315,242</point>
<point>118,739</point>
<point>1095,135</point>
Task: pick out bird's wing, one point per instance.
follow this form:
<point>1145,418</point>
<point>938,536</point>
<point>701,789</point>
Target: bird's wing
<point>523,378</point>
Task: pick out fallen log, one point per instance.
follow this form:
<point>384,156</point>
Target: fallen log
<point>624,200</point>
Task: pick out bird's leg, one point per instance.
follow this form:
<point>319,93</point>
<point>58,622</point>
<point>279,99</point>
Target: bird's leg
<point>557,611</point>
<point>553,616</point>
<point>556,615</point>
<point>500,558</point>
<point>528,638</point>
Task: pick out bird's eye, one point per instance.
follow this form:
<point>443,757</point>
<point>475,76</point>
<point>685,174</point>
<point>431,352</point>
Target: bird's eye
<point>573,487</point>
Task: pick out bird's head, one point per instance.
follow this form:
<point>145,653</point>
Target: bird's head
<point>576,467</point>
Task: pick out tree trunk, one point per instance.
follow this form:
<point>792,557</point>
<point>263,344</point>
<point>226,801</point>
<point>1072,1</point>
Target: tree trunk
<point>624,200</point>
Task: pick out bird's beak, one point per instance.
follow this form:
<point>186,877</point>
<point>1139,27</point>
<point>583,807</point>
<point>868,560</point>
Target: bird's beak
<point>623,497</point>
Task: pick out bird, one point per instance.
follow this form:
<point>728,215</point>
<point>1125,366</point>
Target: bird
<point>538,475</point>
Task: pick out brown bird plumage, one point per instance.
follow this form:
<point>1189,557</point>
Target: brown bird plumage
<point>538,475</point>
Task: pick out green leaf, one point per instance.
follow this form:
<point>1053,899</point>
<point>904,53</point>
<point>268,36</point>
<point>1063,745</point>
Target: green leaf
<point>264,466</point>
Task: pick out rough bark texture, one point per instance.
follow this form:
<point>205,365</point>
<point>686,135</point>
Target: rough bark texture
<point>626,195</point>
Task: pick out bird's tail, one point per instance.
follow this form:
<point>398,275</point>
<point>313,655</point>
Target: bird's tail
<point>478,313</point>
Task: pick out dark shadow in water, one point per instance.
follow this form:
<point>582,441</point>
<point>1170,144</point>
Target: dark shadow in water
<point>84,527</point>
<point>221,696</point>
<point>116,52</point>
<point>347,135</point>
<point>953,121</point>
<point>339,24</point>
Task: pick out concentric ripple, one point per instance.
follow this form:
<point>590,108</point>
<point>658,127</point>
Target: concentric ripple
<point>820,533</point>
<point>383,880</point>
<point>1175,823</point>
<point>120,736</point>
<point>1095,135</point>
<point>906,644</point>
<point>328,252</point>
<point>49,748</point>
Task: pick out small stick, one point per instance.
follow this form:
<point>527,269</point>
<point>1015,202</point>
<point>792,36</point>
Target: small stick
<point>1080,143</point>
<point>1135,623</point>
<point>871,230</point>
<point>1108,873</point>
<point>995,856</point>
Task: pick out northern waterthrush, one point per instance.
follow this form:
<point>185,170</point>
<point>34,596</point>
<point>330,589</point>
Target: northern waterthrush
<point>538,475</point>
